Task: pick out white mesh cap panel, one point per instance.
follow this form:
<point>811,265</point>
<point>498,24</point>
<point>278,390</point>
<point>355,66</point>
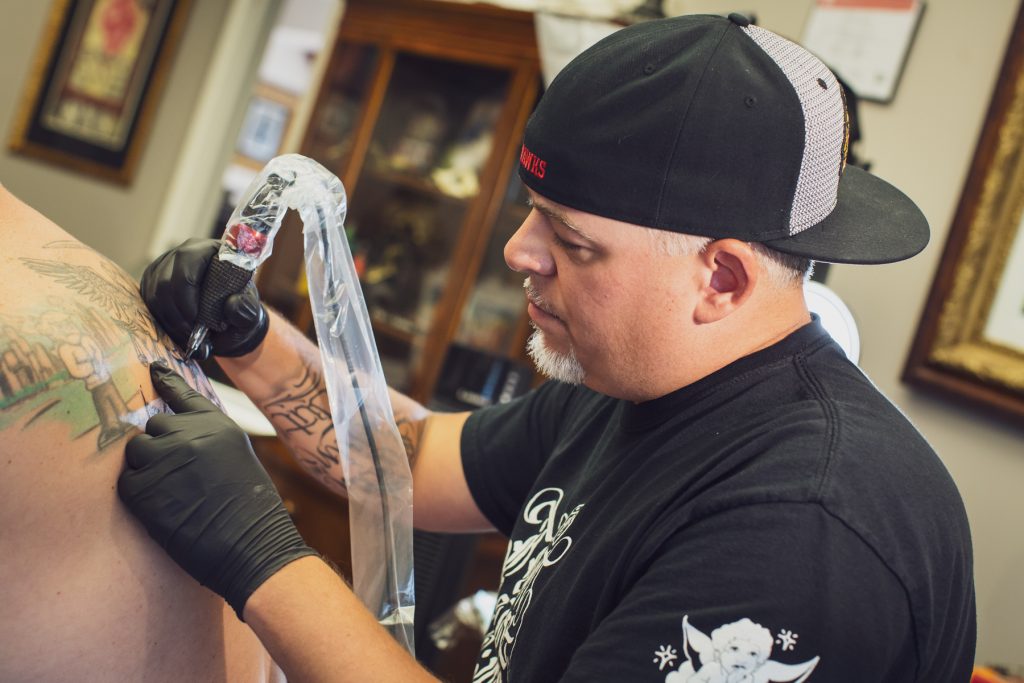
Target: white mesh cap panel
<point>824,127</point>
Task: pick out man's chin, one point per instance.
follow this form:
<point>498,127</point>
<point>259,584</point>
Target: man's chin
<point>559,366</point>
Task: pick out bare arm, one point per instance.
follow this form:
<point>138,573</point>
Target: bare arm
<point>284,378</point>
<point>318,632</point>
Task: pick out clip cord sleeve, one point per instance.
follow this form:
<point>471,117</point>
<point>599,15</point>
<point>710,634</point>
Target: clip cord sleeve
<point>371,455</point>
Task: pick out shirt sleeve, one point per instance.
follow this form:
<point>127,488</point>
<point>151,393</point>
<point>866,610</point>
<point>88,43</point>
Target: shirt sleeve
<point>504,448</point>
<point>766,592</point>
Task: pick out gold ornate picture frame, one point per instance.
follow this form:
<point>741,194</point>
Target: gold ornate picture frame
<point>970,342</point>
<point>95,83</point>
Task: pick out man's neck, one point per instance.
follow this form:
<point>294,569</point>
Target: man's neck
<point>726,341</point>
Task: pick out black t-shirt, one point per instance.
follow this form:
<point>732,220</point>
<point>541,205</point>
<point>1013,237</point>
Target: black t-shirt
<point>778,520</point>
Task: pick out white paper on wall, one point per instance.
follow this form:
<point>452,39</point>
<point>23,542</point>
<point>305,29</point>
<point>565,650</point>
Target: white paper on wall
<point>560,38</point>
<point>865,41</point>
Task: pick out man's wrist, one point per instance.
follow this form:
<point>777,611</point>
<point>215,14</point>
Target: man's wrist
<point>265,599</point>
<point>239,597</point>
<point>316,629</point>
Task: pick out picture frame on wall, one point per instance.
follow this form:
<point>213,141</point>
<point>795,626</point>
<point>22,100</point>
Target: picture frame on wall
<point>265,126</point>
<point>970,341</point>
<point>96,82</point>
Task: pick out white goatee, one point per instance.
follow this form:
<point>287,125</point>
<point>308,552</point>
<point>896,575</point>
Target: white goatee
<point>562,367</point>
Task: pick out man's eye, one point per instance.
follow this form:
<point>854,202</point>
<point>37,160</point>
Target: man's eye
<point>568,246</point>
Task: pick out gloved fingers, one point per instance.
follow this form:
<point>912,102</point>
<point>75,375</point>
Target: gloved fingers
<point>130,487</point>
<point>247,321</point>
<point>179,396</point>
<point>151,276</point>
<point>179,316</point>
<point>193,259</point>
<point>170,286</point>
<point>203,352</point>
<point>138,450</point>
<point>185,280</point>
<point>158,494</point>
<point>144,450</point>
<point>243,310</point>
<point>158,294</point>
<point>159,424</point>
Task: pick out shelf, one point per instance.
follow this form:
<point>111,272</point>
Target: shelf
<point>383,328</point>
<point>416,183</point>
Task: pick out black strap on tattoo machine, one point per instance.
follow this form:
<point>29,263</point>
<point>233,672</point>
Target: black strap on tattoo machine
<point>221,281</point>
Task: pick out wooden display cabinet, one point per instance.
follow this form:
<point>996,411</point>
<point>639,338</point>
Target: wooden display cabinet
<point>420,114</point>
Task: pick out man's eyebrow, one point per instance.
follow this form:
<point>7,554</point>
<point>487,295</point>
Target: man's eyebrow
<point>560,217</point>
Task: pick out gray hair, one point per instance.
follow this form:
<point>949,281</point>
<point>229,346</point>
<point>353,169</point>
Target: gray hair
<point>781,270</point>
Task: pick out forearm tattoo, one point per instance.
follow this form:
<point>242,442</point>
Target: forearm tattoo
<point>301,414</point>
<point>412,435</point>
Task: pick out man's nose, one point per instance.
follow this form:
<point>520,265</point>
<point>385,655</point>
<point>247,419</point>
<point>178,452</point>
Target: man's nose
<point>527,250</point>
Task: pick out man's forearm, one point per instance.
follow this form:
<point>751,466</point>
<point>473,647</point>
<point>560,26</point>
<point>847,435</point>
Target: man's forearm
<point>318,632</point>
<point>284,378</point>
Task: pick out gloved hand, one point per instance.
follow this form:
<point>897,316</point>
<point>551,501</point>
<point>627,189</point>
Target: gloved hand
<point>194,482</point>
<point>171,286</point>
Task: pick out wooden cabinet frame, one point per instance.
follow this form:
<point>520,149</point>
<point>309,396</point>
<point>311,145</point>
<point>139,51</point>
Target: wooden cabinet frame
<point>474,34</point>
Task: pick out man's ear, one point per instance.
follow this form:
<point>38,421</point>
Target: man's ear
<point>731,276</point>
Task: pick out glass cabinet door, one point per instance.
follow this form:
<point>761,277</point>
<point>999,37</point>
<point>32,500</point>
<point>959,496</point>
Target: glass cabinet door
<point>494,317</point>
<point>343,93</point>
<point>421,174</point>
<point>485,361</point>
<point>329,140</point>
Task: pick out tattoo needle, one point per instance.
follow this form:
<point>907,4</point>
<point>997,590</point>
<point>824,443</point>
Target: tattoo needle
<point>195,340</point>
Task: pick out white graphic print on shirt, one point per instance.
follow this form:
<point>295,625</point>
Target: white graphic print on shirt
<point>736,653</point>
<point>527,557</point>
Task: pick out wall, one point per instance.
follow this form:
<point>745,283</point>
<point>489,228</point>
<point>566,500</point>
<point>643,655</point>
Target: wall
<point>923,142</point>
<point>113,219</point>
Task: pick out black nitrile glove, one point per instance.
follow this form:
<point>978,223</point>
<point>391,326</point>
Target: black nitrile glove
<point>171,286</point>
<point>194,482</point>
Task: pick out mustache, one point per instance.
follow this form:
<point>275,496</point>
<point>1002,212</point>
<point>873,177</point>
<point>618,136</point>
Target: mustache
<point>537,299</point>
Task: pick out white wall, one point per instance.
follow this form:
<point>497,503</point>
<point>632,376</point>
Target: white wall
<point>113,219</point>
<point>923,142</point>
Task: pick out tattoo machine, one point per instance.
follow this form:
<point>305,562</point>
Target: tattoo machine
<point>371,461</point>
<point>246,243</point>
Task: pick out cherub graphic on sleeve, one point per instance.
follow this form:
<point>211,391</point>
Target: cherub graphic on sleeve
<point>735,653</point>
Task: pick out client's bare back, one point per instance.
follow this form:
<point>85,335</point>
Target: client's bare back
<point>87,595</point>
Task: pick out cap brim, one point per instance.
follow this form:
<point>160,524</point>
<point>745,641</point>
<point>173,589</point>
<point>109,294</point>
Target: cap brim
<point>873,222</point>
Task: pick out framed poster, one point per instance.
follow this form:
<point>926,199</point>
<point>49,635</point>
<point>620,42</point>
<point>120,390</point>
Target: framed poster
<point>95,84</point>
<point>864,41</point>
<point>970,342</point>
<point>265,126</point>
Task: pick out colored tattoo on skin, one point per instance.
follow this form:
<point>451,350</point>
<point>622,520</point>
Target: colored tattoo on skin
<point>83,359</point>
<point>117,294</point>
<point>70,345</point>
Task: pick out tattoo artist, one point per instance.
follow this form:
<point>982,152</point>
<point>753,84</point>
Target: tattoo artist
<point>707,489</point>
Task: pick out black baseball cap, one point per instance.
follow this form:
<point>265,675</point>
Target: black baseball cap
<point>712,126</point>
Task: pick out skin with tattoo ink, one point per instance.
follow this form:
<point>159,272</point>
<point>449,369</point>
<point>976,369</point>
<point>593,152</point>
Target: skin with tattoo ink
<point>87,595</point>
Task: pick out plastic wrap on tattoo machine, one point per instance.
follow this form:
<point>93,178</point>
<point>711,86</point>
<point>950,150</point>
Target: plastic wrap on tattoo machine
<point>372,455</point>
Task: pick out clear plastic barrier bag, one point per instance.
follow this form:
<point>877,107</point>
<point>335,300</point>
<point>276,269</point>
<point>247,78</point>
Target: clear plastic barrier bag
<point>372,456</point>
